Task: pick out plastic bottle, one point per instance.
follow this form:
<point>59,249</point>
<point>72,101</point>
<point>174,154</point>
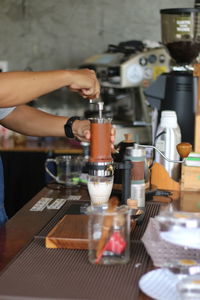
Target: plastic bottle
<point>168,135</point>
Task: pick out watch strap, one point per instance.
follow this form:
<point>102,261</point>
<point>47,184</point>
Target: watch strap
<point>68,126</point>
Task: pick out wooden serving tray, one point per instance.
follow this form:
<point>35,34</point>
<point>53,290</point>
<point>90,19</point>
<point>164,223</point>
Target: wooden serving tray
<point>70,232</point>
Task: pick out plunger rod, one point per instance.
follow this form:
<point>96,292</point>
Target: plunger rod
<point>100,107</point>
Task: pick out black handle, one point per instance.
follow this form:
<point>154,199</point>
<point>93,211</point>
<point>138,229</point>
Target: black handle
<point>126,181</point>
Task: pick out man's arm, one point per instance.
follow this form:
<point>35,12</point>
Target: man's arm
<point>21,87</point>
<point>30,121</point>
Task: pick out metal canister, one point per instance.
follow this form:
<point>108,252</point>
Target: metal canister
<point>137,156</point>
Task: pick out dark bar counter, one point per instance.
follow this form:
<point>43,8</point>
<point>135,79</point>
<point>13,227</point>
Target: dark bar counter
<point>23,228</point>
<point>25,262</point>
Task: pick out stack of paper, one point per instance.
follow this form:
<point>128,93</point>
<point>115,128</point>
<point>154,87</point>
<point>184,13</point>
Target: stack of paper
<point>193,159</point>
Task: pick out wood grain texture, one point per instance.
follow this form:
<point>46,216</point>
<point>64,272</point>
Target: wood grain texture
<point>161,178</point>
<point>71,232</point>
<point>190,178</point>
<point>197,134</point>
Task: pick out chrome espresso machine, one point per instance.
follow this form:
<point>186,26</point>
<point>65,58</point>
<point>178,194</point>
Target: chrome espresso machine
<point>123,71</point>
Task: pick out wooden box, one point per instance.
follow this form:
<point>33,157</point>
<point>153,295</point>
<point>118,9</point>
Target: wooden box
<point>190,178</point>
<point>71,232</point>
<point>190,201</point>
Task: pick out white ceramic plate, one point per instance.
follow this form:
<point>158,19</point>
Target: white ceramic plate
<point>187,237</point>
<point>160,284</point>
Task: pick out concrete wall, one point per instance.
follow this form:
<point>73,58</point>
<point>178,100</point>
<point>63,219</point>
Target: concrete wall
<point>53,34</point>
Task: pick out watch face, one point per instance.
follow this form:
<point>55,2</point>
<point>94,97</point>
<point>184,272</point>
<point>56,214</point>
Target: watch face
<point>135,74</point>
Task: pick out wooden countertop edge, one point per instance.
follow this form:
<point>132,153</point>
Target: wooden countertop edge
<point>46,150</point>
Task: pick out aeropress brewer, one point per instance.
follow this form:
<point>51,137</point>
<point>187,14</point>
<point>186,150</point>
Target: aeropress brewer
<point>100,164</point>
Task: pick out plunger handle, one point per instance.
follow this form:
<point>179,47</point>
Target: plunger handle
<point>184,149</point>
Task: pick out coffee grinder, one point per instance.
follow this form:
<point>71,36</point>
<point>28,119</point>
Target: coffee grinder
<point>177,89</point>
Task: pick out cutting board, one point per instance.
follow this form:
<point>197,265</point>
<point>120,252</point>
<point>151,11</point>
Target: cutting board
<point>70,232</point>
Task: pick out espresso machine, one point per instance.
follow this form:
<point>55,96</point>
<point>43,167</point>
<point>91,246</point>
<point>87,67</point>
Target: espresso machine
<point>123,71</point>
<point>177,90</point>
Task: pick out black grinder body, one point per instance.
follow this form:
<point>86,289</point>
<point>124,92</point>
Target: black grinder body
<point>180,96</point>
<point>176,91</point>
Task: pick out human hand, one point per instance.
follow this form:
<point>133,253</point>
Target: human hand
<point>81,130</point>
<point>84,81</point>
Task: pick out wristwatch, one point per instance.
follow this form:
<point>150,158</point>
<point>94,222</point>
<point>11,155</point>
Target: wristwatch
<point>68,127</point>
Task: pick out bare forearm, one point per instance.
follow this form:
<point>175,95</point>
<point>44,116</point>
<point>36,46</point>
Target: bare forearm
<point>22,87</point>
<point>18,88</point>
<point>33,122</point>
<point>30,121</point>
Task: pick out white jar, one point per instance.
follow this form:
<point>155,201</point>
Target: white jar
<point>168,135</point>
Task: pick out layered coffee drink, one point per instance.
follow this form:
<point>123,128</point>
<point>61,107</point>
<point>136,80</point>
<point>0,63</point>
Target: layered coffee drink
<point>99,189</point>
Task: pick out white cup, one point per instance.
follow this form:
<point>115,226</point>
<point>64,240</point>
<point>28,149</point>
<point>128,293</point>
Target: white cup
<point>99,189</point>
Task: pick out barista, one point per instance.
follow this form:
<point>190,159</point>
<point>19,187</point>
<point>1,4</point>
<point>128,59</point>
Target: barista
<point>18,88</point>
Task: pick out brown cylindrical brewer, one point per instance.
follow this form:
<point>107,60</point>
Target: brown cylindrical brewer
<point>100,143</point>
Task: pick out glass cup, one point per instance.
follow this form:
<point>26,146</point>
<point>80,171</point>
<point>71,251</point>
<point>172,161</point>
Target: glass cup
<point>189,287</point>
<point>99,189</point>
<point>68,169</point>
<point>183,267</point>
<point>180,228</point>
<point>109,235</point>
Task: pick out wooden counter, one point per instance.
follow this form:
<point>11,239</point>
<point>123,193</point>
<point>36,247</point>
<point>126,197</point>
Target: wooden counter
<point>55,145</point>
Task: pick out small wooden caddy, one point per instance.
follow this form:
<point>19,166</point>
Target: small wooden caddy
<point>71,232</point>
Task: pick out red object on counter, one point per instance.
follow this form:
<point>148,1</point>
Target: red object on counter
<point>116,245</point>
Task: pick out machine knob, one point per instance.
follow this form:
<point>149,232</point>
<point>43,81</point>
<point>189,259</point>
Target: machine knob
<point>184,149</point>
<point>128,138</point>
<point>114,71</point>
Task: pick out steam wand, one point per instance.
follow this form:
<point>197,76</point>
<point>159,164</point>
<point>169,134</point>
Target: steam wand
<point>183,149</point>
